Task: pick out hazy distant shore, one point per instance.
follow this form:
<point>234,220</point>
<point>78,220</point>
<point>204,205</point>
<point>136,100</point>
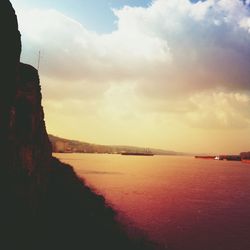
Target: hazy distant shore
<point>61,145</point>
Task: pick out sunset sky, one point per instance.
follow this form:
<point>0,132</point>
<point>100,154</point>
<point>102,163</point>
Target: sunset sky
<point>169,74</point>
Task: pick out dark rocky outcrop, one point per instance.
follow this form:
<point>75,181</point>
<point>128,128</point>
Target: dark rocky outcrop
<point>44,204</point>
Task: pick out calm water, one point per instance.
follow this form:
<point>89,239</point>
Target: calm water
<point>181,202</point>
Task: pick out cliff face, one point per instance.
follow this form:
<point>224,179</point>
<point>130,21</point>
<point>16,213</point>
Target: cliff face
<point>10,48</point>
<point>28,134</point>
<point>44,204</point>
<point>25,148</point>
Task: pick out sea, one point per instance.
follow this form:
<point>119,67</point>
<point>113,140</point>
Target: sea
<point>179,202</point>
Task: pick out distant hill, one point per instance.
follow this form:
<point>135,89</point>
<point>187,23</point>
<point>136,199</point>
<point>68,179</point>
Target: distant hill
<point>61,145</point>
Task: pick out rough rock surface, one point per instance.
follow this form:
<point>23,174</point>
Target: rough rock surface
<point>24,144</point>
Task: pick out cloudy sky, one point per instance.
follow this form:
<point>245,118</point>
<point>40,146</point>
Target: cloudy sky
<point>172,74</point>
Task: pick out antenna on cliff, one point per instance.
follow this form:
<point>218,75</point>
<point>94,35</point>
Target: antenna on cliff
<point>39,59</point>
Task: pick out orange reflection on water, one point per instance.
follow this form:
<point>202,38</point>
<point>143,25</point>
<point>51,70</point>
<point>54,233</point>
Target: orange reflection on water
<point>181,202</point>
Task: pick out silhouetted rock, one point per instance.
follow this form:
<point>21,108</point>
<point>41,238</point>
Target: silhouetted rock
<point>10,49</point>
<point>44,204</point>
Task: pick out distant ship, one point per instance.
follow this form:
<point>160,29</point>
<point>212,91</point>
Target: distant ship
<point>137,153</point>
<point>205,157</point>
<point>228,157</point>
<point>220,157</point>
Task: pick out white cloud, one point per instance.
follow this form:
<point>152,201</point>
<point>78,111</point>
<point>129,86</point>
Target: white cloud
<point>171,50</point>
<point>245,23</point>
<point>220,110</point>
<point>71,51</point>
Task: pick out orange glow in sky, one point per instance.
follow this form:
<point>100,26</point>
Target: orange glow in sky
<point>170,74</point>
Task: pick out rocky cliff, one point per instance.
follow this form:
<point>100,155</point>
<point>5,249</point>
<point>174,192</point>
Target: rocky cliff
<point>25,148</point>
<point>44,204</point>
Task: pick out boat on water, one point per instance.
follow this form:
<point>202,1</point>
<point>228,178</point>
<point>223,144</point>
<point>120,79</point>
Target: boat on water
<point>139,154</point>
<point>208,157</point>
<point>220,157</point>
<point>228,157</point>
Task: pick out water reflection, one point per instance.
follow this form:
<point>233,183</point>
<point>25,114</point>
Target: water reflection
<point>181,202</point>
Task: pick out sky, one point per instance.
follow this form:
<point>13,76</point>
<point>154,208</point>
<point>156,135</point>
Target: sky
<point>171,74</point>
